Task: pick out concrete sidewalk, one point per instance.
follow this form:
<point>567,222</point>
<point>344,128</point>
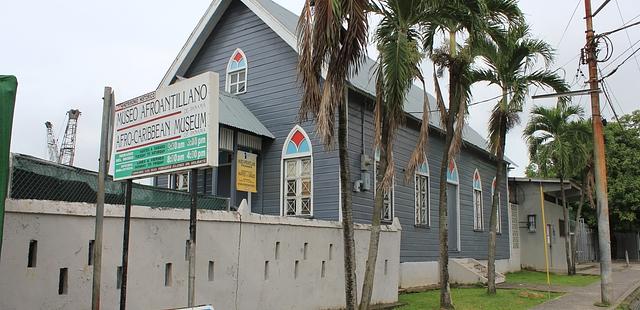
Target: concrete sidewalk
<point>625,281</point>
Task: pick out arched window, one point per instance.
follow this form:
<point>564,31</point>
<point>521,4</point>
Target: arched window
<point>237,73</point>
<point>478,218</point>
<point>498,211</point>
<point>297,174</point>
<point>453,205</point>
<point>422,194</point>
<point>452,172</point>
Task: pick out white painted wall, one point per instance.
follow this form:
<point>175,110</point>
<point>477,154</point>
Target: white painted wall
<point>239,243</point>
<point>420,274</point>
<point>532,243</point>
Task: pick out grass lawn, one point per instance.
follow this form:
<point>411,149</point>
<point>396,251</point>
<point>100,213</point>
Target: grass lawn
<point>535,277</point>
<point>476,298</point>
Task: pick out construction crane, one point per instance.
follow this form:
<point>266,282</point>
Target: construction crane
<point>52,143</point>
<point>68,147</point>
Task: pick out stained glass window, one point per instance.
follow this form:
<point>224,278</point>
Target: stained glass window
<point>298,174</point>
<point>237,73</point>
<point>452,172</point>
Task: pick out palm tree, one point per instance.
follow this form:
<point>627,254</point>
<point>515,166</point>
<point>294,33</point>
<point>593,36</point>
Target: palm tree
<point>398,42</point>
<point>585,176</point>
<point>550,134</point>
<point>510,57</point>
<point>332,34</point>
<point>474,19</point>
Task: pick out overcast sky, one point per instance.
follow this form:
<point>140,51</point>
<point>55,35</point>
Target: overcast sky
<point>64,53</point>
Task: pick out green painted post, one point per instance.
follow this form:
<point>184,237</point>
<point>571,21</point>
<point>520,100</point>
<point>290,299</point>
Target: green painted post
<point>8,87</point>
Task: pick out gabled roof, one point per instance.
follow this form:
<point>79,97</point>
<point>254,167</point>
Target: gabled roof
<point>284,23</point>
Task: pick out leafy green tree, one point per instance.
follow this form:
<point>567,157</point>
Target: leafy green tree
<point>622,141</point>
<point>510,58</point>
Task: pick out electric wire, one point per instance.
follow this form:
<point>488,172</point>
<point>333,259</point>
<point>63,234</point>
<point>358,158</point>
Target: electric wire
<point>627,32</point>
<point>621,54</point>
<point>622,63</point>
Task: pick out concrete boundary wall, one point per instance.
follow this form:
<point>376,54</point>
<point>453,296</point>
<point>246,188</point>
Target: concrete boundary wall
<point>244,260</point>
<point>420,274</point>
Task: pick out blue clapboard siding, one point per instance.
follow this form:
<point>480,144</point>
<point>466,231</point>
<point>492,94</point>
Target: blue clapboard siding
<point>420,243</point>
<point>273,96</point>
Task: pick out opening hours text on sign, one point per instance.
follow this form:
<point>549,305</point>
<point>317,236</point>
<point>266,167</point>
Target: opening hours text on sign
<point>246,177</point>
<point>171,129</point>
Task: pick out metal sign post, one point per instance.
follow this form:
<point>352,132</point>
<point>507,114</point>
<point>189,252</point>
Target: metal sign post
<point>171,129</point>
<point>125,243</point>
<point>193,220</point>
<point>103,169</point>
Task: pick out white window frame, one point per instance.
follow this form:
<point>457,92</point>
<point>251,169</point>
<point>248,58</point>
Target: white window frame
<point>237,72</point>
<point>298,156</point>
<point>391,199</point>
<point>478,210</point>
<point>457,184</point>
<point>498,209</point>
<point>427,209</point>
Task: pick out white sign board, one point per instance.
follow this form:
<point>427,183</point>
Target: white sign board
<point>171,129</point>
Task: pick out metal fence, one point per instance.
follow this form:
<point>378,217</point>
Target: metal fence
<point>586,243</point>
<point>39,179</point>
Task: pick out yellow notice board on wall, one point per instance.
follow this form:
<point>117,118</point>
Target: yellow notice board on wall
<point>246,177</point>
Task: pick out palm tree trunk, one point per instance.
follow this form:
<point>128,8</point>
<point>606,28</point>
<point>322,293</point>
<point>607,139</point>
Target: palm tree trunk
<point>493,218</point>
<point>350,284</point>
<point>374,239</point>
<point>574,248</point>
<point>445,291</point>
<point>565,214</point>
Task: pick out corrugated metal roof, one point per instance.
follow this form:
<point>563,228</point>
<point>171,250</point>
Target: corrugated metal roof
<point>233,113</point>
<point>365,82</point>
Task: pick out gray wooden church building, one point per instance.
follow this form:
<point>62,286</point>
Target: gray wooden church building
<point>252,45</point>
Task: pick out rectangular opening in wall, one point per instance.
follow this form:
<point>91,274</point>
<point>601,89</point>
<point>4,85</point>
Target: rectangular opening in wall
<point>304,250</point>
<point>386,264</point>
<point>295,269</point>
<point>167,274</point>
<point>322,271</point>
<point>266,269</point>
<point>33,254</point>
<point>330,250</point>
<point>277,250</point>
<point>91,252</point>
<point>63,278</point>
<point>119,278</point>
<point>186,250</point>
<point>211,270</point>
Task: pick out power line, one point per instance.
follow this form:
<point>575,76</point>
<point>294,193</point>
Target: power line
<point>622,63</point>
<point>564,32</point>
<point>619,29</point>
<point>627,32</point>
<point>621,54</point>
<point>468,105</point>
<point>569,23</point>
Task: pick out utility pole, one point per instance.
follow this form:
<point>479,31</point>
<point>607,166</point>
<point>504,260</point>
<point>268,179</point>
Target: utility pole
<point>604,240</point>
